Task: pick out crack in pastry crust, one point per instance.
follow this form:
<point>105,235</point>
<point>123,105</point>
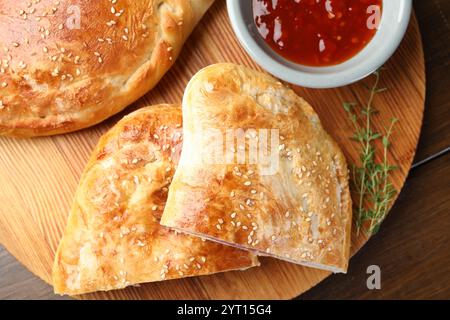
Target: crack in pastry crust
<point>55,79</point>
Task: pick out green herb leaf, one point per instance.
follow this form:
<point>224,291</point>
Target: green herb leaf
<point>370,178</point>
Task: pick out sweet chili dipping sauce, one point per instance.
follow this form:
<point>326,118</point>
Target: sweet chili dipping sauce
<point>317,32</point>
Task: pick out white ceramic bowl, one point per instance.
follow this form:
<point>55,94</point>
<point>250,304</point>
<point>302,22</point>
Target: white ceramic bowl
<point>394,22</point>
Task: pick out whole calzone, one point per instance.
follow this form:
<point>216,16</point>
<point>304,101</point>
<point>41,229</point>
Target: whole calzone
<point>259,172</point>
<point>67,65</point>
<point>113,238</point>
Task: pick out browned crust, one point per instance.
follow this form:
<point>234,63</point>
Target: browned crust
<point>301,214</point>
<point>113,238</point>
<point>55,80</point>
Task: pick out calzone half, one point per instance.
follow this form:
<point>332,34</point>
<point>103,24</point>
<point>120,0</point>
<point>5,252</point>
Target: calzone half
<point>113,238</point>
<point>259,172</point>
<point>67,65</point>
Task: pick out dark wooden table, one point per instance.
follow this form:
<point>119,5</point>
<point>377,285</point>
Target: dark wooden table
<point>413,247</point>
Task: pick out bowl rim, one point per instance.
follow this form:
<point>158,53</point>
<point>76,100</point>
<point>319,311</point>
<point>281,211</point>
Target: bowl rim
<point>321,77</point>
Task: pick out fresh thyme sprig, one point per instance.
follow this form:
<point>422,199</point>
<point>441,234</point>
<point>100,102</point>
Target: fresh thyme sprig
<point>371,179</point>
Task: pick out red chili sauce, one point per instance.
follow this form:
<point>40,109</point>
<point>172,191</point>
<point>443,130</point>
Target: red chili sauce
<point>317,32</point>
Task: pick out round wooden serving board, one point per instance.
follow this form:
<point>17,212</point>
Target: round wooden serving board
<point>38,177</point>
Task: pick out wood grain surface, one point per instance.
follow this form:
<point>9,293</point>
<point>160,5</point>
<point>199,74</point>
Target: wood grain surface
<point>414,256</point>
<point>434,21</point>
<point>411,249</point>
<point>39,176</point>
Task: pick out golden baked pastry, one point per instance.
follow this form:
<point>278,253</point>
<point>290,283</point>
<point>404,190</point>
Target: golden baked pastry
<point>113,237</point>
<point>294,207</point>
<point>69,65</point>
